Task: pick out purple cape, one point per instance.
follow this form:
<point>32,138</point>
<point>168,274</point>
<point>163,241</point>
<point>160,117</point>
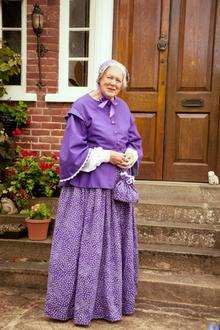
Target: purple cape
<point>89,126</point>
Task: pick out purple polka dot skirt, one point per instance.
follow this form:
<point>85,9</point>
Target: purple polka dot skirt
<point>94,262</point>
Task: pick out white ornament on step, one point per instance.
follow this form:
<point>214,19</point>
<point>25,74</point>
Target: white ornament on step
<point>213,179</point>
<point>8,206</point>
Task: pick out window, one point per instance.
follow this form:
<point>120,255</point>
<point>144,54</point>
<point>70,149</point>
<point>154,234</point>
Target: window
<point>85,42</point>
<point>79,30</point>
<point>13,33</point>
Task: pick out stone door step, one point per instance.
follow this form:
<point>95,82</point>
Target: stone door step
<point>165,248</point>
<point>178,191</point>
<point>175,258</point>
<point>195,290</point>
<point>24,273</point>
<point>200,213</point>
<point>179,259</point>
<point>186,234</point>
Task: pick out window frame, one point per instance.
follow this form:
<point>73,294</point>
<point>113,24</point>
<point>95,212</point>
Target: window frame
<point>100,48</point>
<point>18,92</point>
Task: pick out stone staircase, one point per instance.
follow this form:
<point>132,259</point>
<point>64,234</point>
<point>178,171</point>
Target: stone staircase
<point>179,246</point>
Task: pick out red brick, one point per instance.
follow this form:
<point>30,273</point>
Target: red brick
<point>52,89</point>
<point>51,61</point>
<point>31,62</point>
<point>32,46</point>
<point>50,76</point>
<point>50,68</point>
<point>32,69</point>
<point>31,38</point>
<point>50,82</point>
<point>57,132</point>
<point>31,54</point>
<point>36,111</point>
<point>55,111</point>
<point>53,33</point>
<point>35,125</point>
<point>40,132</point>
<point>55,146</point>
<point>40,146</point>
<point>32,75</point>
<point>28,139</point>
<point>51,55</point>
<point>26,131</point>
<point>41,118</point>
<point>57,119</point>
<point>49,139</point>
<point>51,125</point>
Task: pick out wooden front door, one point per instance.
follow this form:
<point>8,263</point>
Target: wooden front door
<point>174,90</point>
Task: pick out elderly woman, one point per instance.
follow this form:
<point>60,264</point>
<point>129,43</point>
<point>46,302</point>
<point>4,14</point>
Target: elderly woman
<point>94,262</point>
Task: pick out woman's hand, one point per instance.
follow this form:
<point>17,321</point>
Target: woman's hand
<point>119,159</point>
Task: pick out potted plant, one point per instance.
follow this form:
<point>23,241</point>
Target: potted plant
<point>37,220</point>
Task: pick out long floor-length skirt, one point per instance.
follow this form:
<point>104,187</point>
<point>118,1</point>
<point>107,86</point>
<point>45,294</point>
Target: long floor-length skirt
<point>93,263</point>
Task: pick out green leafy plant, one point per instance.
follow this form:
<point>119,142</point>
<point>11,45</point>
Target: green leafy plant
<point>38,211</point>
<point>10,65</point>
<point>13,117</point>
<point>18,112</point>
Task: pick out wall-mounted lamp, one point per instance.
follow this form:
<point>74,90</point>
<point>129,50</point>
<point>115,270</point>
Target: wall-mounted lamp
<point>37,24</point>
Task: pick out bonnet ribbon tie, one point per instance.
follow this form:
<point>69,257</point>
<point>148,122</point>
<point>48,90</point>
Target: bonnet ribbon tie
<point>110,103</point>
<point>129,179</point>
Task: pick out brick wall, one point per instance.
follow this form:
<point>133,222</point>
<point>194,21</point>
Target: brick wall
<point>45,132</point>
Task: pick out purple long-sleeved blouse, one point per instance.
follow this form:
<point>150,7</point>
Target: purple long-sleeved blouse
<point>92,124</point>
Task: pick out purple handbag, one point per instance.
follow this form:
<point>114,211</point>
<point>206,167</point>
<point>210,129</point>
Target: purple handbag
<point>124,190</point>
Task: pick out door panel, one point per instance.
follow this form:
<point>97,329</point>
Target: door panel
<point>138,25</point>
<point>182,142</point>
<point>192,107</point>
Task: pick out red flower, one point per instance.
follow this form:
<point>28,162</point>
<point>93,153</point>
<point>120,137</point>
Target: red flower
<point>33,153</point>
<point>27,153</point>
<point>24,153</point>
<point>17,132</point>
<point>45,166</point>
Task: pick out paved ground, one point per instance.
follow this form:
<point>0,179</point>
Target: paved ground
<point>23,309</point>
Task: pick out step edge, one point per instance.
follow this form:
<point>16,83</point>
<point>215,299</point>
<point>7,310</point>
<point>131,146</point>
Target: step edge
<point>213,281</point>
<point>195,281</point>
<point>179,249</point>
<point>180,203</point>
<point>176,225</point>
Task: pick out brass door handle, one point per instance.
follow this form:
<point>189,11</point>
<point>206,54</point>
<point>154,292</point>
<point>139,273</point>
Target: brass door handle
<point>162,43</point>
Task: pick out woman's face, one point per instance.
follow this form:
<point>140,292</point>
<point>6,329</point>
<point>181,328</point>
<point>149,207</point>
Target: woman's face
<point>111,82</point>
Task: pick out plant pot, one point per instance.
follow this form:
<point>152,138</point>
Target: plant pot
<point>37,229</point>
